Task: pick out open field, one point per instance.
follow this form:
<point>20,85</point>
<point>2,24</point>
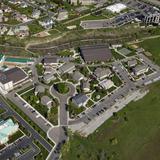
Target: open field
<point>131,134</point>
<point>152,45</point>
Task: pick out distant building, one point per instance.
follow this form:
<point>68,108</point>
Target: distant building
<point>11,78</point>
<point>140,69</point>
<point>140,50</point>
<point>48,70</point>
<point>63,15</point>
<point>152,18</point>
<point>84,2</point>
<point>85,86</point>
<point>21,31</point>
<point>2,58</point>
<point>50,61</point>
<point>39,89</point>
<point>97,53</point>
<point>48,78</point>
<point>80,100</point>
<point>46,101</point>
<point>101,73</point>
<point>3,30</point>
<point>67,68</point>
<point>132,63</point>
<point>7,129</point>
<point>36,14</point>
<point>47,23</point>
<point>106,84</point>
<point>124,51</point>
<point>116,8</point>
<point>77,76</point>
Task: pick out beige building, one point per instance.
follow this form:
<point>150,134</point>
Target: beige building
<point>84,2</point>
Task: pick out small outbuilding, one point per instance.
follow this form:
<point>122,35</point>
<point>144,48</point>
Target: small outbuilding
<point>46,101</point>
<point>77,76</point>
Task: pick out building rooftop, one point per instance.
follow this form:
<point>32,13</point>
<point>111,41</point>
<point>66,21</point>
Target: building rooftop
<point>95,53</point>
<point>45,100</point>
<point>40,89</point>
<point>116,8</point>
<point>80,99</point>
<point>49,60</point>
<point>125,51</point>
<point>66,67</point>
<point>102,72</point>
<point>14,74</point>
<point>5,128</point>
<point>140,68</point>
<point>132,63</point>
<point>77,76</point>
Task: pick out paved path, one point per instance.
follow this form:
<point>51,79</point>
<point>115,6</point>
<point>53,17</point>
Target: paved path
<point>59,133</point>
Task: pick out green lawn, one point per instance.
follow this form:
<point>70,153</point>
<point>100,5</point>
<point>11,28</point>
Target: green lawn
<point>43,152</point>
<point>152,45</point>
<point>62,88</point>
<point>40,69</point>
<point>74,110</point>
<point>2,110</point>
<point>134,135</point>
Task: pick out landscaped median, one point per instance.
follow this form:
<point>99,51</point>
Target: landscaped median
<point>61,88</point>
<point>43,154</point>
<point>50,113</point>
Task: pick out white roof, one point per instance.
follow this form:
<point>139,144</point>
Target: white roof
<point>116,8</point>
<point>107,83</point>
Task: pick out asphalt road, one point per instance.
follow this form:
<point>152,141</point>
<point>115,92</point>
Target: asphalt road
<point>63,98</point>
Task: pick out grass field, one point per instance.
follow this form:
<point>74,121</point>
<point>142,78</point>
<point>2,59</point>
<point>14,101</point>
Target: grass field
<point>132,135</point>
<point>152,45</point>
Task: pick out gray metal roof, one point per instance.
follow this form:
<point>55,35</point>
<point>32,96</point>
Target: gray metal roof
<point>39,89</point>
<point>80,98</point>
<point>132,63</point>
<point>140,68</point>
<point>96,53</point>
<point>51,59</point>
<point>77,76</point>
<point>45,100</point>
<point>14,74</point>
<point>66,67</point>
<point>101,72</point>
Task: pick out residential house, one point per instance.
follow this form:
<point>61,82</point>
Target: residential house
<point>77,76</point>
<point>106,84</point>
<point>62,15</point>
<point>67,68</point>
<point>102,73</point>
<point>140,69</point>
<point>80,100</point>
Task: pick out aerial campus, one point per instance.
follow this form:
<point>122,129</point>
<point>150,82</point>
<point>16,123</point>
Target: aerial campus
<point>79,79</point>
